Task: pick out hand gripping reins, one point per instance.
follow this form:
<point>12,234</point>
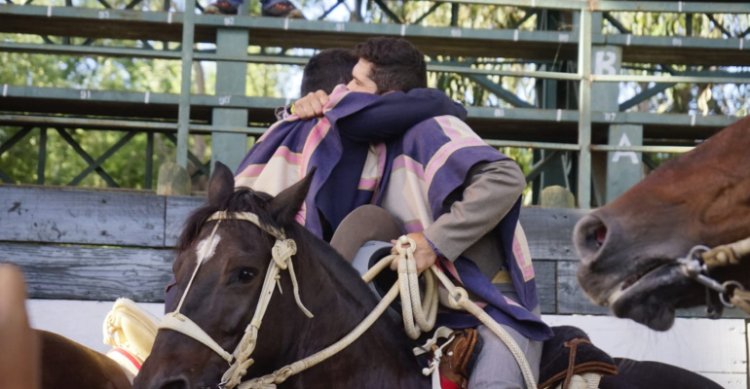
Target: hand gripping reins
<point>418,316</point>
<point>701,259</point>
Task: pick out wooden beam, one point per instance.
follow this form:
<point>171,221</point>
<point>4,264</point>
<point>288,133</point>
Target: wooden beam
<point>55,215</point>
<point>101,245</point>
<point>91,273</point>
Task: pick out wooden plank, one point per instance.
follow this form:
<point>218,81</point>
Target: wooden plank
<point>546,287</point>
<point>570,297</point>
<point>91,273</point>
<point>550,231</point>
<point>701,312</point>
<point>58,215</point>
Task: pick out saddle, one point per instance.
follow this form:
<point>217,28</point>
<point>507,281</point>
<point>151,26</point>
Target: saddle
<point>569,353</point>
<point>459,358</point>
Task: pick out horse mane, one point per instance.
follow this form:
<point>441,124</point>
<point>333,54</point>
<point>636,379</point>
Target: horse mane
<point>341,271</point>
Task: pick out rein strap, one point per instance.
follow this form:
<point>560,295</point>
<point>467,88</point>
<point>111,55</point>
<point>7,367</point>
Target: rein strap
<point>282,252</point>
<point>176,321</point>
<point>731,293</point>
<point>421,314</point>
<point>458,298</point>
<point>728,254</point>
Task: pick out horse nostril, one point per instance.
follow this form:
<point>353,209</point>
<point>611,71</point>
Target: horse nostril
<point>589,236</point>
<point>600,235</point>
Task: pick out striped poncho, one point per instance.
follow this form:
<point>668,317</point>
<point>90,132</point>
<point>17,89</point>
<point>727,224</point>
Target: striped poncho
<point>422,152</point>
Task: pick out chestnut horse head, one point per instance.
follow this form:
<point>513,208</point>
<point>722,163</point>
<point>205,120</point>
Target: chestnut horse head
<point>630,248</point>
<point>233,255</point>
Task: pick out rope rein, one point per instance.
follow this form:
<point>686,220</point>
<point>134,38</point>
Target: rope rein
<point>418,314</point>
<point>701,259</point>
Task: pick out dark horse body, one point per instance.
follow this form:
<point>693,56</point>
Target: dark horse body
<point>628,247</point>
<point>225,292</point>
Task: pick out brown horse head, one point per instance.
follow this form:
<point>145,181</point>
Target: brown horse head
<point>225,291</point>
<point>629,247</point>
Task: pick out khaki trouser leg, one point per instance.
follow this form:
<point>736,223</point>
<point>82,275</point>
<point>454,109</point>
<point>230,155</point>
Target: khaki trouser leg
<point>496,368</point>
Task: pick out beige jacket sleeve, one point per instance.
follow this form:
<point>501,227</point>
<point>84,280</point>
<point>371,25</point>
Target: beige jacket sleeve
<point>489,193</point>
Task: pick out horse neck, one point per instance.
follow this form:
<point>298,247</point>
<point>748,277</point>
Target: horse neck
<point>339,304</point>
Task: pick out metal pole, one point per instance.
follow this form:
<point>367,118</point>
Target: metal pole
<point>42,163</point>
<point>183,117</point>
<point>584,110</point>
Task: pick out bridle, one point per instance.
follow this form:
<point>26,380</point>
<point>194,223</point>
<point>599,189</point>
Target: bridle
<point>701,260</point>
<point>239,360</point>
<point>283,250</point>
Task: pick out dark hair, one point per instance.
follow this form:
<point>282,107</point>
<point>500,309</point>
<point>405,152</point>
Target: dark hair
<point>397,64</point>
<point>327,69</point>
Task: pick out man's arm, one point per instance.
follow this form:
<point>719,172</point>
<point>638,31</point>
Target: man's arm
<point>492,191</point>
<point>394,113</point>
<point>386,118</point>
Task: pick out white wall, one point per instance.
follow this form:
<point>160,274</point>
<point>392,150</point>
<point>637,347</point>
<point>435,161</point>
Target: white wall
<point>714,348</point>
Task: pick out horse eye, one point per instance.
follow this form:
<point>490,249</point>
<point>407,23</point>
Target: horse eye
<point>246,274</point>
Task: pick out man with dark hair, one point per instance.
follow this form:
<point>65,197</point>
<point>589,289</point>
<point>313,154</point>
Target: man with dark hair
<point>383,65</point>
<point>327,69</point>
<point>459,200</point>
<point>391,64</point>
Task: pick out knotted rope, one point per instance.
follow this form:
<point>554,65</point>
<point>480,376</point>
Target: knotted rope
<point>419,315</point>
<point>731,254</point>
<point>239,360</point>
<point>728,254</point>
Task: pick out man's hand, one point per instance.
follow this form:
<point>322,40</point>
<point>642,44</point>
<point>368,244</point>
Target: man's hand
<point>311,105</point>
<point>423,255</point>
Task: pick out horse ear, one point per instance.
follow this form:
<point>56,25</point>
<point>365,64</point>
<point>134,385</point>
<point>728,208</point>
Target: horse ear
<point>285,205</point>
<point>221,185</point>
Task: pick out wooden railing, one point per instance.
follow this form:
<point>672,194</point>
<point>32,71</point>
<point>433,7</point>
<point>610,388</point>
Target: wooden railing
<point>104,244</point>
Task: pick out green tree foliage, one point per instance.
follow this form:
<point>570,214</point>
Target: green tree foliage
<point>61,163</point>
<point>703,99</point>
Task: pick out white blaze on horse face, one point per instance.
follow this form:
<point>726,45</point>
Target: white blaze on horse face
<point>207,248</point>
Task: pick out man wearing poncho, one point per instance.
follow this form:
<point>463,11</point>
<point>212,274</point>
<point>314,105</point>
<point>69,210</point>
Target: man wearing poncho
<point>409,152</point>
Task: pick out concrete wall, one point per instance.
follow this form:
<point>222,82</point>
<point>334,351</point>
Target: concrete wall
<point>714,348</point>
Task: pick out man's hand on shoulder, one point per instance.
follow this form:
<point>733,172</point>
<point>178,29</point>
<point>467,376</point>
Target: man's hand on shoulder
<point>423,255</point>
<point>311,105</point>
